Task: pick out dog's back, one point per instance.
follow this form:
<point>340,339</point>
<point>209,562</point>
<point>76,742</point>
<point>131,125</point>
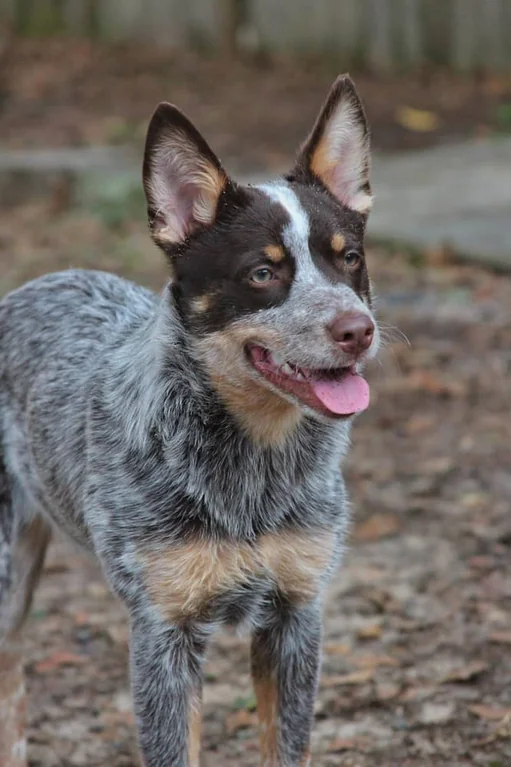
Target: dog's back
<point>59,323</point>
<point>54,331</point>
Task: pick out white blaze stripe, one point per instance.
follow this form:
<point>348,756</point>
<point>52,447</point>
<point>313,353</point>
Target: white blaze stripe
<point>296,238</point>
<point>296,234</point>
<point>312,294</point>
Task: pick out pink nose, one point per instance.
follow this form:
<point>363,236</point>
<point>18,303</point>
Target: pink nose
<point>353,333</point>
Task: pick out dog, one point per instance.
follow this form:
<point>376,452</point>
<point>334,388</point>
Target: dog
<point>192,441</point>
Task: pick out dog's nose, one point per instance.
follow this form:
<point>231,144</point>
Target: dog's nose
<point>352,332</point>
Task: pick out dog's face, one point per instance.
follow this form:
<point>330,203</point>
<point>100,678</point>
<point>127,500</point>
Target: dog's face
<point>271,281</point>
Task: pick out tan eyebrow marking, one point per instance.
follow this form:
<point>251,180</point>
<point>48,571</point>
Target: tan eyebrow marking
<point>275,253</point>
<point>201,303</point>
<point>338,242</point>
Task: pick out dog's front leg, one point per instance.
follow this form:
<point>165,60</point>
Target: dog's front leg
<point>166,673</point>
<point>285,668</point>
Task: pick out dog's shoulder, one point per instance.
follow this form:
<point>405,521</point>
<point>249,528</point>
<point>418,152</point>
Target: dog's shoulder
<point>64,319</point>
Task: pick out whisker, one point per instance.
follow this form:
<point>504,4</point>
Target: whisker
<point>393,333</point>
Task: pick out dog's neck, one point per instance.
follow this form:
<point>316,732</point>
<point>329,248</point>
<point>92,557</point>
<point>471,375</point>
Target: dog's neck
<point>152,389</point>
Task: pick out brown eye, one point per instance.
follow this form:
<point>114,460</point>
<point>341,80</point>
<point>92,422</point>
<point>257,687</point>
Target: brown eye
<point>262,276</point>
<point>352,258</point>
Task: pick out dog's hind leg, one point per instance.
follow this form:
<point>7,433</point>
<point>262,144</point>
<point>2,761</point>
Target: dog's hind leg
<point>22,548</point>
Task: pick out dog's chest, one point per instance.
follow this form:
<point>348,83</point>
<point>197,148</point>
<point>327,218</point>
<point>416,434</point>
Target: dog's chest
<point>213,580</point>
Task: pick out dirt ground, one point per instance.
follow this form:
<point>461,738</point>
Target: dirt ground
<point>417,639</point>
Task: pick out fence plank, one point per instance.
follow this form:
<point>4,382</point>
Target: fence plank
<point>506,33</point>
<point>379,51</point>
<point>464,39</point>
<point>120,19</point>
<point>491,24</point>
<point>346,24</point>
<point>465,34</point>
<point>411,31</point>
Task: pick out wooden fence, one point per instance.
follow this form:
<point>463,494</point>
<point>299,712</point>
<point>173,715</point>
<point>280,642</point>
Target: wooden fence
<point>382,34</point>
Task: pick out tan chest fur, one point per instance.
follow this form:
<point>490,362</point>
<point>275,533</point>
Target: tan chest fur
<point>183,579</point>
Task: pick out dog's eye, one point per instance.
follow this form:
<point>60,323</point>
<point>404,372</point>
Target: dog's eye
<point>262,275</point>
<point>352,258</point>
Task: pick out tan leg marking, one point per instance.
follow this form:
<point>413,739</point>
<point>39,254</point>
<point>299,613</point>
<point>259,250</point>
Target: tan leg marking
<point>28,560</point>
<point>275,253</point>
<point>194,730</point>
<point>12,708</point>
<point>267,712</point>
<point>182,579</point>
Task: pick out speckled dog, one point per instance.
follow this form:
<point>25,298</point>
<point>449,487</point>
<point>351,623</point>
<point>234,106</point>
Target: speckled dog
<point>192,441</point>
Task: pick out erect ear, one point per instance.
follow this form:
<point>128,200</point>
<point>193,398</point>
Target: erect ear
<point>183,178</point>
<point>337,151</point>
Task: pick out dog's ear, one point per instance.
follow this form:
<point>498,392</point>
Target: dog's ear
<point>337,151</point>
<point>183,178</point>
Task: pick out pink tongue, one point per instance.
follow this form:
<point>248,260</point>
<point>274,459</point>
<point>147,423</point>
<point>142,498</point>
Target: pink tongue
<point>349,395</point>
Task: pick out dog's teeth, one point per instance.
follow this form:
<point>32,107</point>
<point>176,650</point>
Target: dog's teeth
<point>286,369</point>
<point>299,375</point>
<point>277,359</point>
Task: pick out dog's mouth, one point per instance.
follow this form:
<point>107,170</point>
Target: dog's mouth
<point>332,391</point>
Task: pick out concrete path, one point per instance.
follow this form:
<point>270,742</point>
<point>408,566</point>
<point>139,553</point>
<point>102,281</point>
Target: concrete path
<point>456,196</point>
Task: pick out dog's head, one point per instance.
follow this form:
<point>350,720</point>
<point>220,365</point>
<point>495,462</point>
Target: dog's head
<point>270,281</point>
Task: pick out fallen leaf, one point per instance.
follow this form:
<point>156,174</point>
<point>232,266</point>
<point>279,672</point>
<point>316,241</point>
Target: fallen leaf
<point>437,466</point>
<point>239,720</point>
<point>331,648</point>
<point>374,661</point>
<point>501,732</point>
<point>387,691</point>
<point>123,701</point>
<point>421,380</point>
<point>495,85</point>
<point>118,633</point>
<point>419,423</point>
<point>417,120</point>
<point>57,660</point>
<point>82,619</point>
<point>372,631</point>
<point>380,525</point>
<point>481,562</point>
<point>381,599</point>
<point>436,713</point>
<point>346,744</point>
<point>441,255</point>
<point>474,500</point>
<point>355,677</point>
<point>413,694</point>
<point>114,718</point>
<point>500,637</point>
<point>491,713</point>
<point>465,673</point>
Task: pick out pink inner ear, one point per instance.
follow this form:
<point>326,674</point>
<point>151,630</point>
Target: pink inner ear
<point>176,201</point>
<point>348,173</point>
<point>184,195</point>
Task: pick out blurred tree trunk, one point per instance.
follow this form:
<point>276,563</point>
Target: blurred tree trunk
<point>12,708</point>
